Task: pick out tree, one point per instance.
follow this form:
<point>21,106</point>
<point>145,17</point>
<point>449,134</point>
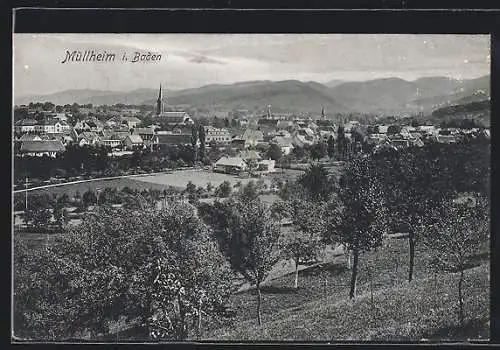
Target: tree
<point>414,182</point>
<point>210,187</point>
<point>331,146</point>
<point>318,151</point>
<point>194,142</point>
<point>248,235</point>
<point>458,234</point>
<point>316,182</point>
<point>224,190</point>
<point>89,198</point>
<point>157,269</point>
<point>304,240</point>
<point>60,215</point>
<point>38,213</point>
<point>362,220</point>
<point>248,192</point>
<point>274,152</point>
<point>342,143</point>
<point>201,136</point>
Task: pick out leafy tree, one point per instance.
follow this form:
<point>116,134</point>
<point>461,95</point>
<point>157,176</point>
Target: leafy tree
<point>414,182</point>
<point>210,187</point>
<point>274,152</point>
<point>342,143</point>
<point>157,269</point>
<point>248,235</point>
<point>316,182</point>
<point>361,222</point>
<point>201,136</point>
<point>224,190</point>
<point>459,234</point>
<point>318,151</point>
<point>304,240</point>
<point>194,142</point>
<point>89,198</point>
<point>330,146</point>
<point>60,214</point>
<point>249,192</point>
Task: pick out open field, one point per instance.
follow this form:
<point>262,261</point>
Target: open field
<point>199,178</point>
<point>177,179</point>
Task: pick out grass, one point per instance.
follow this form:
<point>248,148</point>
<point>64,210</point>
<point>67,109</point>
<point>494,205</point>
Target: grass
<point>320,310</point>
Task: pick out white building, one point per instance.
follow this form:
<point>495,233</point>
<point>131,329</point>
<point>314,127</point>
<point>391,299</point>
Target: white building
<point>218,135</point>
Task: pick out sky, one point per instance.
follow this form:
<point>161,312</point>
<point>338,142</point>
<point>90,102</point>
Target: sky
<point>194,60</point>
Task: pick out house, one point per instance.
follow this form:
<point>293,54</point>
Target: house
<point>127,121</point>
<point>40,148</point>
<point>147,134</point>
<point>95,125</point>
<point>218,135</point>
<point>284,143</point>
<point>382,129</point>
<point>81,126</point>
<point>447,139</point>
<point>266,166</point>
<point>170,139</point>
<point>252,137</point>
<point>52,125</point>
<point>400,143</point>
<point>88,138</point>
<point>130,122</point>
<point>25,125</point>
<point>133,142</point>
<point>230,165</point>
<point>112,139</point>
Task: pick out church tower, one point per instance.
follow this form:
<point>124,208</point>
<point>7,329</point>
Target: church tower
<point>159,103</point>
<point>268,111</point>
<point>323,113</point>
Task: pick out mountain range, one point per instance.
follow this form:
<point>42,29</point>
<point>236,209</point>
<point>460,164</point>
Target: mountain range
<point>389,95</point>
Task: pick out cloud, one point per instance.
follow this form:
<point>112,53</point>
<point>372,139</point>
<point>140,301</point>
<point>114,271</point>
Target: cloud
<point>205,59</point>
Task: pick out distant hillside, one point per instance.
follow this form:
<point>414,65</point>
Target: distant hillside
<point>288,95</point>
<point>387,96</point>
<point>398,95</point>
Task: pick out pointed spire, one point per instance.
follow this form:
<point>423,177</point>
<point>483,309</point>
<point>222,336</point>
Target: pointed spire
<point>322,112</point>
<point>159,103</point>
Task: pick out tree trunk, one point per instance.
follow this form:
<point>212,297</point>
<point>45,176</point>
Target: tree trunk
<point>354,274</point>
<point>296,284</point>
<point>460,298</point>
<point>259,319</point>
<point>199,321</point>
<point>411,241</point>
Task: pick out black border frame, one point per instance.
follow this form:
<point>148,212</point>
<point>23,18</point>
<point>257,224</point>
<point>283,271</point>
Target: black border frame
<point>214,16</point>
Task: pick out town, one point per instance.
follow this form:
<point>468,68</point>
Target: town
<point>234,141</point>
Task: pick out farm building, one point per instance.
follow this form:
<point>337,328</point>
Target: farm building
<point>40,148</point>
<point>230,165</point>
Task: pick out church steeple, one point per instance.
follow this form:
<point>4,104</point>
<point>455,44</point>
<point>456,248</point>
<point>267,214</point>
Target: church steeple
<point>159,103</point>
<point>322,112</point>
